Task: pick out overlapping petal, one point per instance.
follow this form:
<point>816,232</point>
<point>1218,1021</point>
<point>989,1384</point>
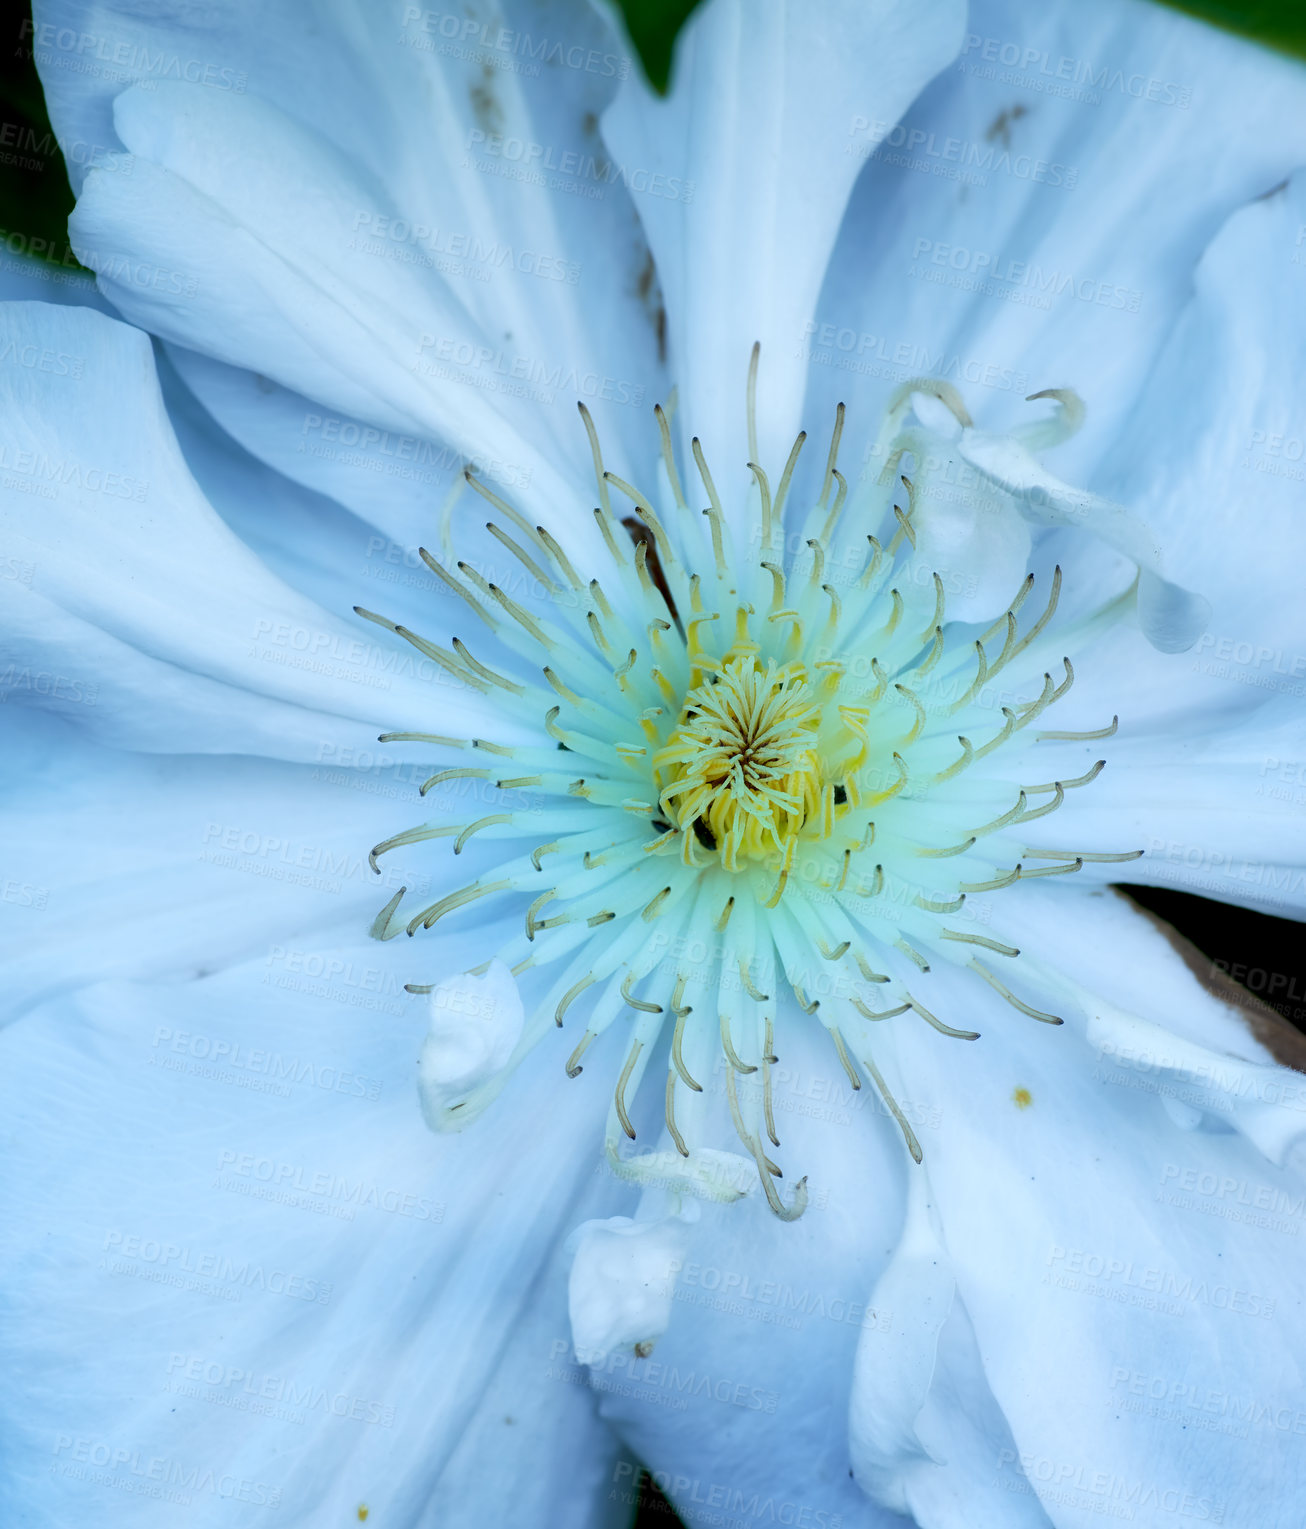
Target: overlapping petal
<point>459,286</point>
<point>267,1284</point>
<point>741,1407</point>
<point>143,617</point>
<point>332,284</point>
<point>750,146</point>
<point>1168,1293</point>
<point>1035,218</point>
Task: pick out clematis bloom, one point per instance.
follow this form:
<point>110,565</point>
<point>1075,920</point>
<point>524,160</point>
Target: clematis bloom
<point>783,715</point>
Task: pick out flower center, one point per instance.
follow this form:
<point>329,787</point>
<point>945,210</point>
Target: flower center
<point>767,761</point>
<point>743,767</point>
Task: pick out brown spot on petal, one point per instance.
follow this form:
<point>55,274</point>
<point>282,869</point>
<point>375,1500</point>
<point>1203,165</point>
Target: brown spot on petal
<point>1000,127</point>
<point>1284,1042</point>
<point>485,104</point>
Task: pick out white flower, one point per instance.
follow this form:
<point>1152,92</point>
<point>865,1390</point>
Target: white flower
<point>759,774</point>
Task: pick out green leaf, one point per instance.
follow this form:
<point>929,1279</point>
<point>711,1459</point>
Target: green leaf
<point>653,26</point>
<point>35,198</point>
<point>1276,23</point>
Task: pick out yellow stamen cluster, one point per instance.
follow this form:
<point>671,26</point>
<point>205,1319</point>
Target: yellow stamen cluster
<point>742,767</point>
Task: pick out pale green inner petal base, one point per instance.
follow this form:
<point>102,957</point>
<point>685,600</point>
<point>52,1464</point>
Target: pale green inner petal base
<point>765,760</point>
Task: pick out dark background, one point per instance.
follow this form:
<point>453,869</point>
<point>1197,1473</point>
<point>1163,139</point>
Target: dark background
<point>35,201</point>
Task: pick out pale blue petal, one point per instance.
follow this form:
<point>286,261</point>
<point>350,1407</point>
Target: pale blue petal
<point>241,1268</point>
<point>163,865</point>
<point>1126,1278</point>
<point>924,1428</point>
<point>742,1406</point>
<point>1214,455</point>
<point>1034,221</point>
<point>752,145</point>
<point>432,241</point>
<point>138,612</point>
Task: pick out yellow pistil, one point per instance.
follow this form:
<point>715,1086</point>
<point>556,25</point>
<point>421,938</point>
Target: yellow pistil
<point>742,769</point>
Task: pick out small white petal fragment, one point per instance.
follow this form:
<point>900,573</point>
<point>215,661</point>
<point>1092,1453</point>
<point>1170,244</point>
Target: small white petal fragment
<point>1172,618</point>
<point>475,1025</point>
<point>707,1173</point>
<point>622,1281</point>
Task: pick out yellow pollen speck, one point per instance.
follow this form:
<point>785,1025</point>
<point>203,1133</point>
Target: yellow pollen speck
<point>362,1511</point>
<point>1022,1098</point>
